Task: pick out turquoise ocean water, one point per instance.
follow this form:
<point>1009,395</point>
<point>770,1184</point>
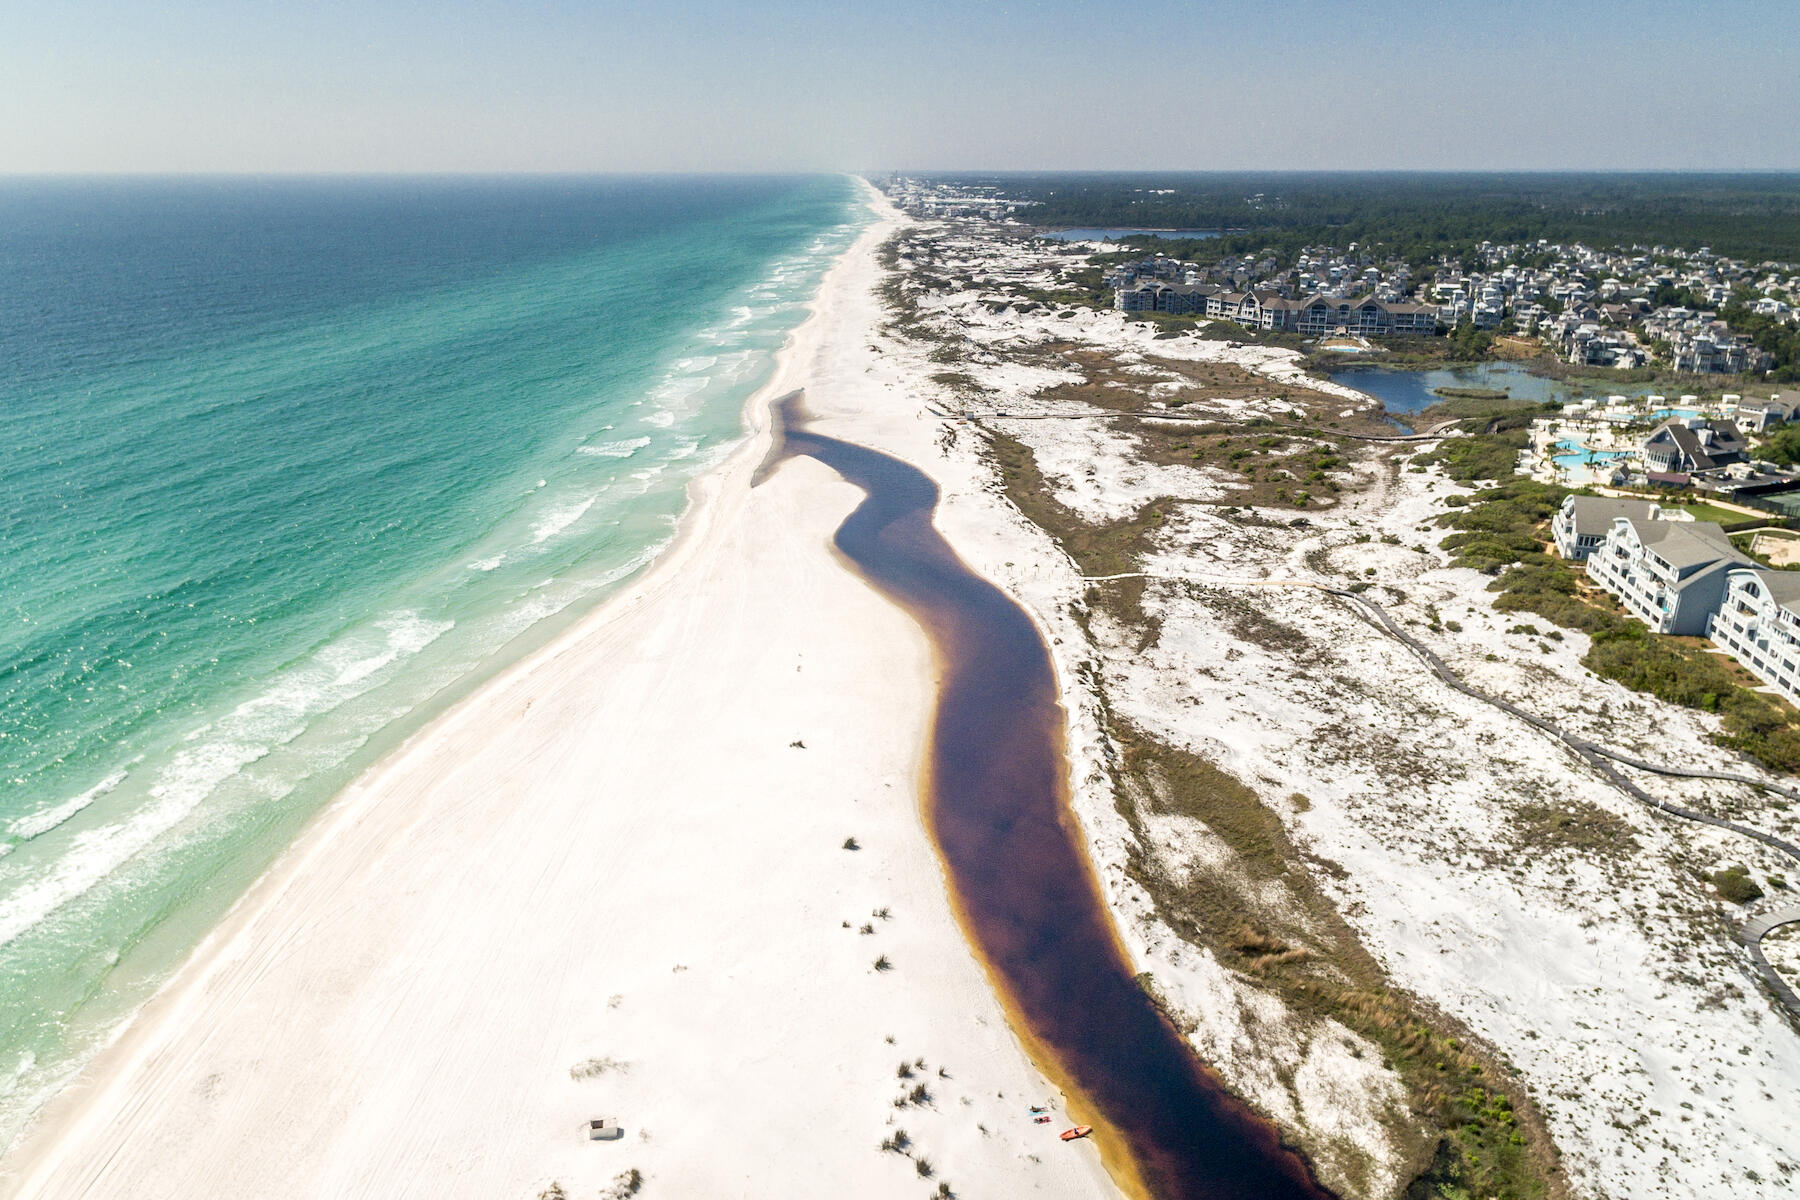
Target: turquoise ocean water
<point>290,466</point>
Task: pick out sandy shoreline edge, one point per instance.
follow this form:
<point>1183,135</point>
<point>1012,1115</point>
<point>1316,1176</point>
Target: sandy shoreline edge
<point>196,1063</point>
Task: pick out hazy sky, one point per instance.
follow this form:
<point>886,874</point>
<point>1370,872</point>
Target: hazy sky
<point>474,85</point>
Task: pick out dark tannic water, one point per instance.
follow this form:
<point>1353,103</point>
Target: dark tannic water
<point>998,809</point>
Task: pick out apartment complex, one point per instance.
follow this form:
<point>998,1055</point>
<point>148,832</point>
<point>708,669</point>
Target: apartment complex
<point>1759,625</point>
<point>1315,316</point>
<point>1670,575</point>
<point>1583,522</point>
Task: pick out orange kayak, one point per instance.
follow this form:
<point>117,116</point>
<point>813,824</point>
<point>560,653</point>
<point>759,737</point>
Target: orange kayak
<point>1080,1131</point>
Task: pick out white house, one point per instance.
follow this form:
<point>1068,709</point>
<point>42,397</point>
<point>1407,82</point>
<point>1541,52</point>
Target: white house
<point>1583,522</point>
<point>1670,575</point>
<point>1759,625</point>
<point>1759,416</point>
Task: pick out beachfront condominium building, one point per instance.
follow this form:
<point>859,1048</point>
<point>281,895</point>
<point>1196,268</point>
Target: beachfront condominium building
<point>1583,522</point>
<point>1759,625</point>
<point>1668,574</point>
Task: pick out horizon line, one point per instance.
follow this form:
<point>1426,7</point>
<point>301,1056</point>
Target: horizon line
<point>477,173</point>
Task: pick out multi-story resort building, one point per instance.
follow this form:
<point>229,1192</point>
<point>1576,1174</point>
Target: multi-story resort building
<point>1669,574</point>
<point>1717,352</point>
<point>1317,316</point>
<point>1583,522</point>
<point>1367,317</point>
<point>1154,295</point>
<point>1685,578</point>
<point>1759,625</point>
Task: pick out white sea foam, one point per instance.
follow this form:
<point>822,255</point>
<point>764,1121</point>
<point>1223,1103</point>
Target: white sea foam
<point>560,518</point>
<point>487,564</point>
<point>678,389</point>
<point>620,449</point>
<point>215,753</point>
<point>736,366</point>
<point>26,1062</point>
<point>44,820</point>
<point>551,596</point>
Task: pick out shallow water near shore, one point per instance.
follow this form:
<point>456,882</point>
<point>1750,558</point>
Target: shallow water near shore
<point>998,809</point>
<point>293,466</point>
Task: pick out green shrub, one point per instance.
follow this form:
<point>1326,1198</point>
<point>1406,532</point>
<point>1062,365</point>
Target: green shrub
<point>1735,884</point>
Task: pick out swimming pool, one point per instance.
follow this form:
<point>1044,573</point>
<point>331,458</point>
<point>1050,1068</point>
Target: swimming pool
<point>1586,458</point>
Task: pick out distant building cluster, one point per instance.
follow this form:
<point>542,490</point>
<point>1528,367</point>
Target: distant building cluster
<point>1601,308</point>
<point>934,201</point>
<point>1594,308</point>
<point>1622,308</point>
<point>1163,284</point>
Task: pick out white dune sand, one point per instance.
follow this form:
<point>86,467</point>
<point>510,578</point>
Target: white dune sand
<point>612,855</point>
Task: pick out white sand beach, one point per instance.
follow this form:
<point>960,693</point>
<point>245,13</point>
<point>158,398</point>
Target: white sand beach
<point>613,883</point>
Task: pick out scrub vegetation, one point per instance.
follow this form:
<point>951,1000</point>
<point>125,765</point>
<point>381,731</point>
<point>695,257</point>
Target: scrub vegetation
<point>1503,531</point>
<point>1471,1129</point>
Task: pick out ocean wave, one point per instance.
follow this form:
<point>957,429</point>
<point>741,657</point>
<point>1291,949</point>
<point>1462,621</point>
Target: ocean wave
<point>44,820</point>
<point>620,449</point>
<point>546,599</point>
<point>215,754</point>
<point>11,1081</point>
<point>678,389</point>
<point>487,564</point>
<point>560,518</point>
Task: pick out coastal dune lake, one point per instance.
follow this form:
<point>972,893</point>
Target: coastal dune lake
<point>291,466</point>
<point>1403,393</point>
<point>997,805</point>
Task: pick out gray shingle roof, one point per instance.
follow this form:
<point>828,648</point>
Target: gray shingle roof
<point>1593,515</point>
<point>1684,544</point>
<point>1782,586</point>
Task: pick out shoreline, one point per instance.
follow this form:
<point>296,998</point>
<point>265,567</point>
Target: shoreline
<point>299,1010</point>
<point>701,496</point>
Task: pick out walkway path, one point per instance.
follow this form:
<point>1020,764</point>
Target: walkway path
<point>1239,429</point>
<point>1752,935</point>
